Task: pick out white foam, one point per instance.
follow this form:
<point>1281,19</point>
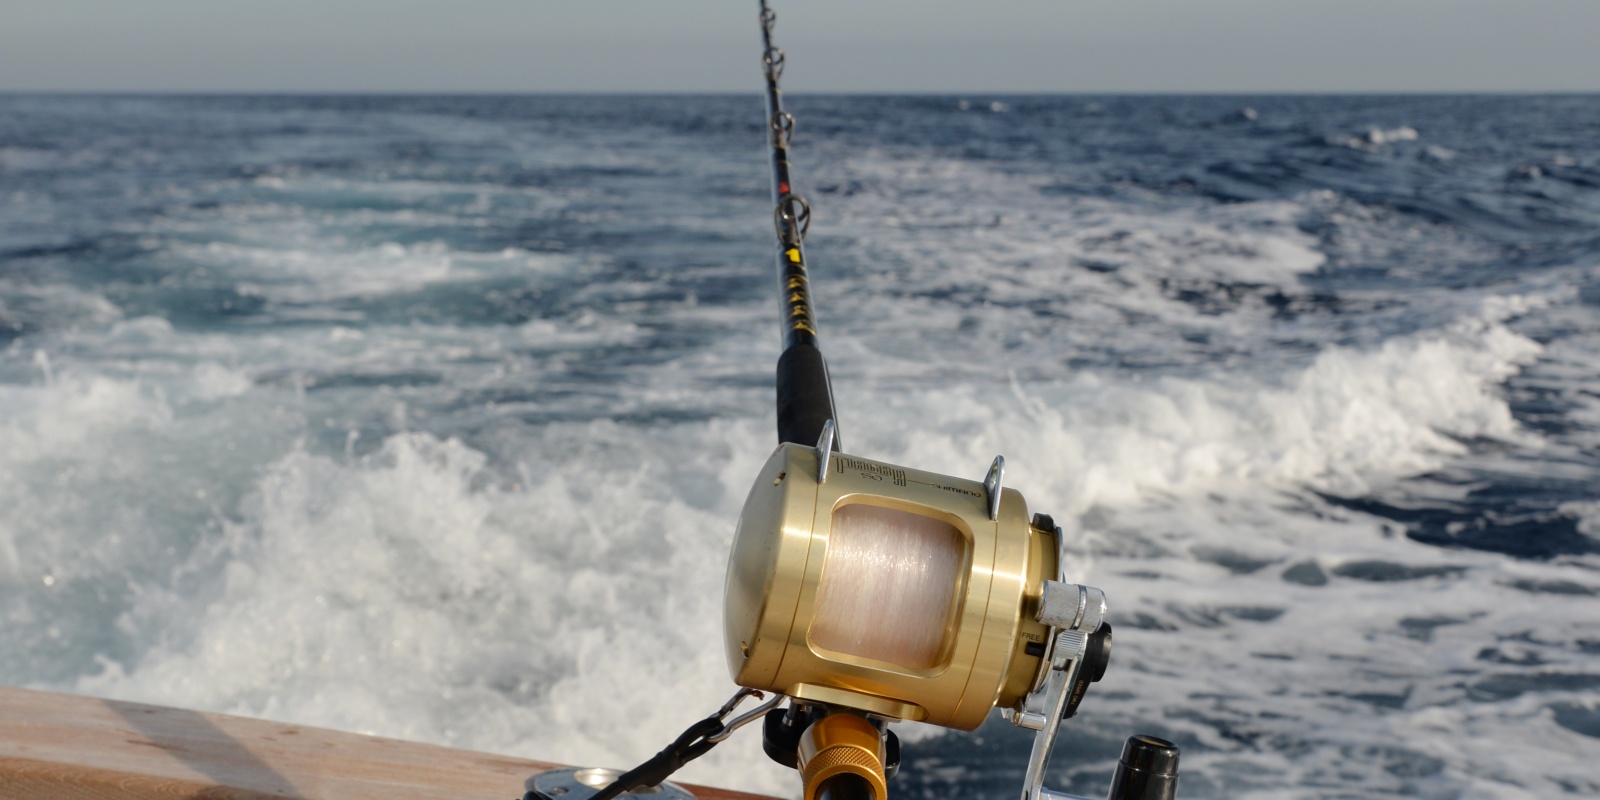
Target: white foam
<point>1376,138</point>
<point>25,304</point>
<point>69,411</point>
<point>945,245</point>
<point>324,271</point>
<point>401,595</point>
<point>214,382</point>
<point>1587,514</point>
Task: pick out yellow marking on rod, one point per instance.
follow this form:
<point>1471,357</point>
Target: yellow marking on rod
<point>798,311</point>
<point>793,253</point>
<point>797,284</point>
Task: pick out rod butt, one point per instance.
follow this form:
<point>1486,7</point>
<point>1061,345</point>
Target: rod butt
<point>1148,770</point>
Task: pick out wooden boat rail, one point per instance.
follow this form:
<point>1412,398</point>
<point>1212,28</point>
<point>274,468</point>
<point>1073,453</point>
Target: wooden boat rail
<point>67,747</point>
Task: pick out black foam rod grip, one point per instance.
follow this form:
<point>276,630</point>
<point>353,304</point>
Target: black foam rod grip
<point>1148,770</point>
<point>805,397</point>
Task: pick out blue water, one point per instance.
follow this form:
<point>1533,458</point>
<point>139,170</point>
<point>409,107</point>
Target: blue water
<point>431,416</point>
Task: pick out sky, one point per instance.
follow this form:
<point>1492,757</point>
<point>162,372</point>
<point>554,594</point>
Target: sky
<point>833,45</point>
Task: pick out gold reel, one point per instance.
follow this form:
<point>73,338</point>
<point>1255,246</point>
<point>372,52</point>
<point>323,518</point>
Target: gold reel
<point>888,590</point>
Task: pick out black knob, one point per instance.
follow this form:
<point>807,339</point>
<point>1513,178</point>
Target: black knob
<point>1098,654</point>
<point>1095,658</point>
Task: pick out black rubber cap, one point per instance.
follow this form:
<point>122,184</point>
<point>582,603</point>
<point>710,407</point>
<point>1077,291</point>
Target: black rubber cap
<point>1148,770</point>
<point>1148,754</point>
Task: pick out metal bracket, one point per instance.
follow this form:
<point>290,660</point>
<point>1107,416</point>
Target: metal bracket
<point>579,784</point>
<point>824,451</point>
<point>991,485</point>
<point>792,219</point>
<point>782,129</point>
<point>772,62</point>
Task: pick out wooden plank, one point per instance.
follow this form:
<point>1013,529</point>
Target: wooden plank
<point>66,747</point>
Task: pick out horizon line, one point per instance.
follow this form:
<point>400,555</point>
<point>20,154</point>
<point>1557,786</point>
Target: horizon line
<point>755,92</point>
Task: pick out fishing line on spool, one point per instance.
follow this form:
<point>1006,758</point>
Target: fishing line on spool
<point>888,585</point>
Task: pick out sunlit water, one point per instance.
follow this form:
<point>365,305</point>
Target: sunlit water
<point>431,417</point>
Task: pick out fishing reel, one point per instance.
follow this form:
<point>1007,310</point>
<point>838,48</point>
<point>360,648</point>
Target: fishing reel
<point>868,592</point>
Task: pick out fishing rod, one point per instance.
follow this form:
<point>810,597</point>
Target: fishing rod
<point>865,593</point>
<point>932,598</point>
<point>805,393</point>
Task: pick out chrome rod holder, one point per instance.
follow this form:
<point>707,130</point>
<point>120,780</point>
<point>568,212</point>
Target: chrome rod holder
<point>825,450</point>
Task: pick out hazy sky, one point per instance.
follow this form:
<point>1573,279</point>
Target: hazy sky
<point>833,45</point>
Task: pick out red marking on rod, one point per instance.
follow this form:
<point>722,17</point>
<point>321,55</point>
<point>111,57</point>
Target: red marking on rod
<point>783,188</point>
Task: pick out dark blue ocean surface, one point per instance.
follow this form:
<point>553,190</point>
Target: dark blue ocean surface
<point>431,416</point>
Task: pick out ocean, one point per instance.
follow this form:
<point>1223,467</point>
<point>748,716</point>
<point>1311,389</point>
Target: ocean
<point>430,417</point>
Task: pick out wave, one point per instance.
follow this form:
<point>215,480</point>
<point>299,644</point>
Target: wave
<point>422,591</point>
<point>1376,138</point>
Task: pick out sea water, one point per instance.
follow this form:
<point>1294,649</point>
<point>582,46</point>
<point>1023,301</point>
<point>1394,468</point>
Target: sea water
<point>430,417</point>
